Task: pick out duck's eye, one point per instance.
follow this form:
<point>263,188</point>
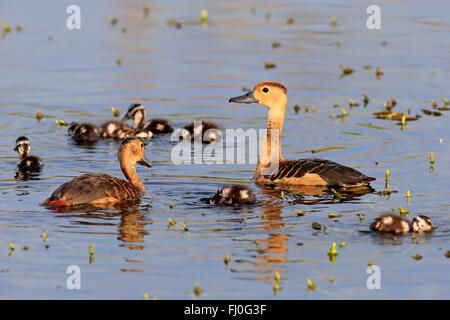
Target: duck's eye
<point>265,90</point>
<point>142,145</point>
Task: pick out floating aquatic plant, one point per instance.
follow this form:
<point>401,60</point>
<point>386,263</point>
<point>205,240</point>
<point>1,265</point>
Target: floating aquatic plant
<point>39,114</point>
<point>269,65</point>
<point>123,30</point>
<point>336,195</point>
<point>290,20</point>
<point>113,20</point>
<point>226,260</point>
<point>276,287</point>
<point>276,44</point>
<point>316,226</point>
<point>370,263</point>
<point>342,244</point>
<point>403,211</point>
<point>26,248</point>
<point>331,279</point>
<point>5,27</point>
<point>447,253</point>
<point>116,112</point>
<point>297,108</point>
<point>145,11</point>
<point>417,256</point>
<point>334,215</point>
<point>19,28</point>
<point>311,285</point>
<point>333,21</point>
<point>11,245</point>
<point>145,296</point>
<point>197,289</point>
<point>119,61</point>
<point>446,102</point>
<point>408,196</point>
<point>333,251</point>
<point>61,122</point>
<point>91,250</point>
<point>345,70</point>
<point>277,276</point>
<point>365,100</point>
<point>170,205</point>
<point>204,17</point>
<point>352,103</point>
<point>361,217</point>
<point>171,222</point>
<point>379,73</point>
<point>299,213</point>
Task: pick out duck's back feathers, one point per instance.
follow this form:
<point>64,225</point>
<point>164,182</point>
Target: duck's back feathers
<point>83,132</point>
<point>30,164</point>
<point>206,131</point>
<point>158,126</point>
<point>391,224</point>
<point>112,129</point>
<point>316,172</point>
<point>93,188</point>
<point>232,195</point>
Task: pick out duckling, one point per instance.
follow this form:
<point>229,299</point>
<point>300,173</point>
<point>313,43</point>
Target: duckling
<point>208,132</point>
<point>137,112</point>
<point>232,195</point>
<point>83,132</point>
<point>273,169</point>
<point>101,188</point>
<point>395,224</point>
<point>112,129</point>
<point>130,132</point>
<point>27,163</point>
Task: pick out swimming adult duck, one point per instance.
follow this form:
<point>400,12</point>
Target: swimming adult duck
<point>272,168</point>
<point>101,188</point>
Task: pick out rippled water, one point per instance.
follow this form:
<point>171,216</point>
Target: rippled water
<point>189,73</point>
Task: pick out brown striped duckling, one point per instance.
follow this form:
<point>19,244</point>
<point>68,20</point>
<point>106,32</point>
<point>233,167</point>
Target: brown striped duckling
<point>232,195</point>
<point>27,163</point>
<point>395,224</point>
<point>301,172</point>
<point>137,113</point>
<point>206,131</point>
<point>112,129</point>
<point>83,132</point>
<point>101,188</point>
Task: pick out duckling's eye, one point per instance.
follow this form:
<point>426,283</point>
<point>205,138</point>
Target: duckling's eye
<point>142,145</point>
<point>265,90</point>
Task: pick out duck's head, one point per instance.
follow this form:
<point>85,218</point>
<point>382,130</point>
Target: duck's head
<point>22,146</point>
<point>131,151</point>
<point>136,112</point>
<point>421,224</point>
<point>268,93</point>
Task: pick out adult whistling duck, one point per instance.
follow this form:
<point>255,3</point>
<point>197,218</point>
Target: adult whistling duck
<point>137,113</point>
<point>390,223</point>
<point>205,131</point>
<point>232,195</point>
<point>101,188</point>
<point>301,172</point>
<point>26,163</point>
<point>83,132</point>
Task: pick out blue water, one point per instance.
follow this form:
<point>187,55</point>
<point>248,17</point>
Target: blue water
<point>190,73</point>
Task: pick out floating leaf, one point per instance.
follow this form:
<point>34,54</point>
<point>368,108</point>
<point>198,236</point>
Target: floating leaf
<point>334,215</point>
<point>311,285</point>
<point>316,226</point>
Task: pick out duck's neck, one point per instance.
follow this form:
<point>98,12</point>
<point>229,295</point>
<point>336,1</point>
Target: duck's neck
<point>129,170</point>
<point>138,119</point>
<point>270,151</point>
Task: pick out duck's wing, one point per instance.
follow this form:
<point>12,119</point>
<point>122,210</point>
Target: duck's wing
<point>158,126</point>
<point>317,172</point>
<point>94,187</point>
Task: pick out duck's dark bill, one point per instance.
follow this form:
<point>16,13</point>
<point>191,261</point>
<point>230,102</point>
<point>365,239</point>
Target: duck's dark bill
<point>144,162</point>
<point>246,98</point>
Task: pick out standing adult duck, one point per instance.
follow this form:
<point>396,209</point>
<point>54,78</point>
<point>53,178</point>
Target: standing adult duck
<point>272,168</point>
<point>101,188</point>
<point>137,113</point>
<point>26,163</point>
